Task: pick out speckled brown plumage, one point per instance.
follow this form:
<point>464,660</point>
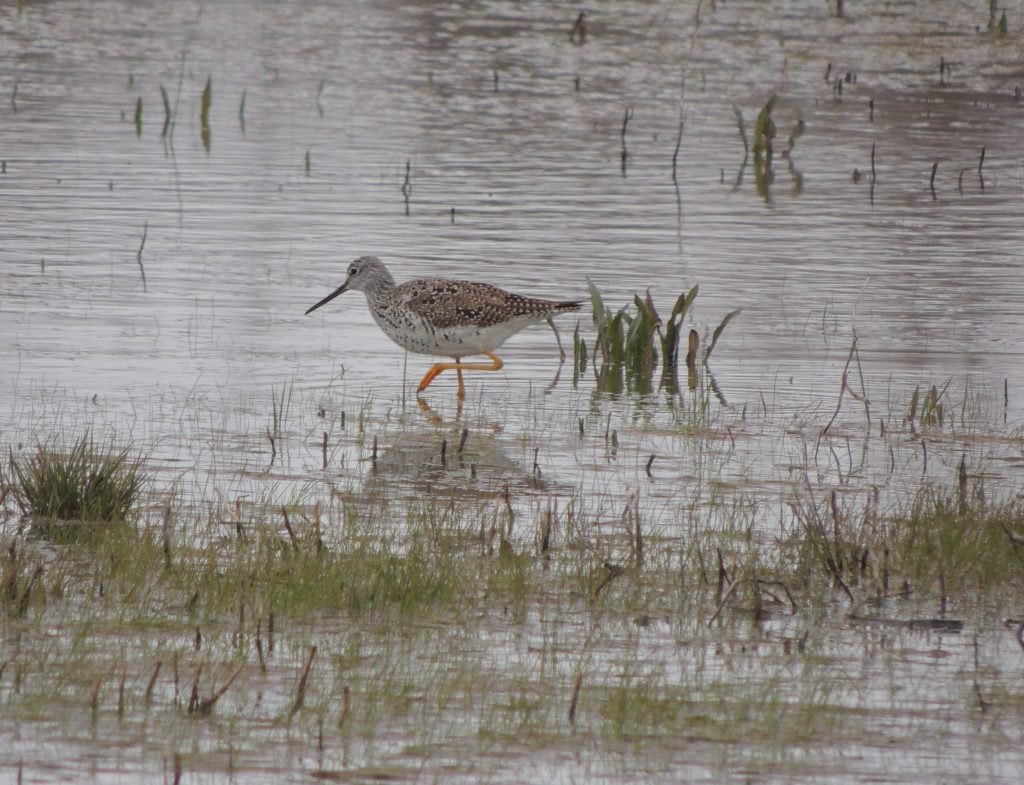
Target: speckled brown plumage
<point>446,303</point>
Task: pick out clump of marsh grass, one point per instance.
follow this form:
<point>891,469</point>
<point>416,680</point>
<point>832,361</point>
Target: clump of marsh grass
<point>945,543</point>
<point>626,349</point>
<point>83,483</point>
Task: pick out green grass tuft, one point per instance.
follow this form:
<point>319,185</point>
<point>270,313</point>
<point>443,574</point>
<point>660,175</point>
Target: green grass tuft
<point>85,483</point>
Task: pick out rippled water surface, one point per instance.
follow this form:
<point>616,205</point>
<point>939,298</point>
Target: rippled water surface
<point>154,278</point>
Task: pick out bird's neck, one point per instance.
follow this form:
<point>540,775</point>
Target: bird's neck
<point>380,290</point>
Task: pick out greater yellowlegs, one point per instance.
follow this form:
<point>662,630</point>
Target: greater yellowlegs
<point>447,318</point>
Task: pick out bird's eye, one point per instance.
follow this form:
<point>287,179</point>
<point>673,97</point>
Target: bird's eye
<point>353,270</point>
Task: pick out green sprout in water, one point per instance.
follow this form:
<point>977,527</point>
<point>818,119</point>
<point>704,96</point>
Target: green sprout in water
<point>204,113</point>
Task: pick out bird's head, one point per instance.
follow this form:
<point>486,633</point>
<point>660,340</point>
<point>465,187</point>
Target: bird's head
<point>366,274</point>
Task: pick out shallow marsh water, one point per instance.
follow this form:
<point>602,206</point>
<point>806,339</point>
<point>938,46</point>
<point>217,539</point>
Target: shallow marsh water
<point>512,136</point>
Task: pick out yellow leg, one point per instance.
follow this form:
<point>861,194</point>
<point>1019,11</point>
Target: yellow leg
<point>460,367</point>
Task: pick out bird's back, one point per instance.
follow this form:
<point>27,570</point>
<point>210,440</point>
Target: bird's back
<point>449,304</point>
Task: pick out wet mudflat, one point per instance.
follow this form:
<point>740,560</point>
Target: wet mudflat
<point>760,574</point>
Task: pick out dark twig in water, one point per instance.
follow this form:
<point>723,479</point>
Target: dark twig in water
<point>626,117</point>
<point>407,186</point>
<point>981,164</point>
<point>138,256</point>
<point>203,708</point>
<point>579,28</point>
<point>300,695</point>
<point>679,141</point>
<point>289,529</point>
<point>167,111</point>
<point>576,697</point>
<point>165,530</point>
<point>725,598</point>
<point>152,682</point>
<point>931,180</point>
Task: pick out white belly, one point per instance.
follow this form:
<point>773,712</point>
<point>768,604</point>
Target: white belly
<point>417,335</point>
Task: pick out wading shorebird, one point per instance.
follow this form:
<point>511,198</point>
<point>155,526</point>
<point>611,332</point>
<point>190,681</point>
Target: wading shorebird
<point>446,318</point>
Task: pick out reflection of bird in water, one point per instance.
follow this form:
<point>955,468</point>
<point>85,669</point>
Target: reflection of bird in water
<point>446,318</point>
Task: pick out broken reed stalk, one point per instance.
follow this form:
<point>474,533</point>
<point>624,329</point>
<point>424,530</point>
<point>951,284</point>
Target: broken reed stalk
<point>27,594</point>
<point>725,598</point>
<point>344,707</point>
<point>138,256</point>
<point>152,682</point>
<point>324,450</point>
<point>289,529</point>
<point>639,539</point>
<point>165,534</point>
<point>579,27</point>
<point>692,345</point>
<point>545,529</point>
<point>931,181</point>
<point>95,703</point>
<point>120,693</point>
<point>507,496</point>
<point>844,387</point>
<point>259,646</point>
<point>576,697</point>
<point>962,482</point>
<point>626,117</point>
<point>205,707</point>
<point>723,575</point>
<point>300,695</point>
<point>193,698</point>
<point>407,185</point>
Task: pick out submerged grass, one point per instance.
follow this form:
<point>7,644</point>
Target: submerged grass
<point>463,607</point>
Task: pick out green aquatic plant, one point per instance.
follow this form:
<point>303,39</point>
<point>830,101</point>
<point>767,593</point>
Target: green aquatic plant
<point>85,483</point>
<point>204,113</point>
<point>626,348</point>
<point>138,117</point>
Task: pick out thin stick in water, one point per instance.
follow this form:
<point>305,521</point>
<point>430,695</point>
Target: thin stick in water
<point>138,256</point>
<point>300,695</point>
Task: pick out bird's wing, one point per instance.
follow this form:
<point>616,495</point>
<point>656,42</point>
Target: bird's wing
<point>464,303</point>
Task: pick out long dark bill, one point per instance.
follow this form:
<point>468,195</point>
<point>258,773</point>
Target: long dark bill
<point>329,297</point>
